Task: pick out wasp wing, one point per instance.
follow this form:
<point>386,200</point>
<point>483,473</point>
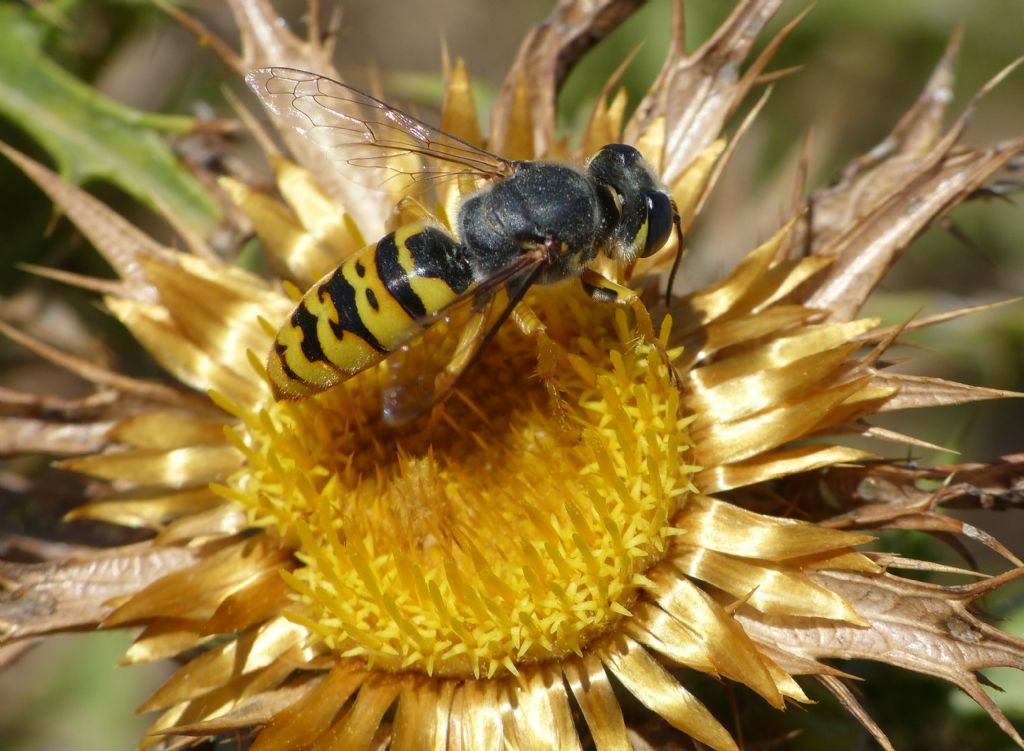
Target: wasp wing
<point>353,128</point>
<point>424,371</point>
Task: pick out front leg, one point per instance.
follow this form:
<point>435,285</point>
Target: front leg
<point>603,289</point>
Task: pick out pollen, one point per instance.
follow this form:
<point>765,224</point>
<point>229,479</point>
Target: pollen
<point>513,525</point>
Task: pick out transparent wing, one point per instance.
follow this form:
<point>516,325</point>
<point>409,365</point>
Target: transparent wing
<point>425,369</point>
<point>354,128</point>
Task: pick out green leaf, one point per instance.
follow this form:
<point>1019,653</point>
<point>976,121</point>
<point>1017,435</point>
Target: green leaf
<point>92,137</point>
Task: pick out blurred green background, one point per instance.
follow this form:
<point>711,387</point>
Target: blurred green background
<point>862,64</point>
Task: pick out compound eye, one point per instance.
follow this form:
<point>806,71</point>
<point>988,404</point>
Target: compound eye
<point>659,221</point>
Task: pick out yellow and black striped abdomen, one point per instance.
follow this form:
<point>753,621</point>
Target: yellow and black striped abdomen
<point>366,308</point>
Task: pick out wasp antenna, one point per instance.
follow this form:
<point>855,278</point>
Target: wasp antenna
<point>679,257</point>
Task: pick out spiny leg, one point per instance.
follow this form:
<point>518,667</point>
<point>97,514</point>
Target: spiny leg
<point>602,289</point>
<point>552,359</point>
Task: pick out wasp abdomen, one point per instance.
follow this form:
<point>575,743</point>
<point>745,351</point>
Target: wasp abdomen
<point>371,304</point>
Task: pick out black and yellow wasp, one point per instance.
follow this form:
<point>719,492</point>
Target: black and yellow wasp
<point>532,223</point>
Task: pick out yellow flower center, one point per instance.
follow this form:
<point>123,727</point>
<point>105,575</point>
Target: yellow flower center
<point>514,527</point>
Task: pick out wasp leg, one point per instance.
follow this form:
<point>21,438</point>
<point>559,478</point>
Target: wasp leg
<point>550,357</point>
<point>552,360</point>
<point>527,321</point>
<point>602,289</point>
<point>465,350</point>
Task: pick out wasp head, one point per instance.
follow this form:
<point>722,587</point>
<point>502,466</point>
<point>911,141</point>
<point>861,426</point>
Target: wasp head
<point>641,211</point>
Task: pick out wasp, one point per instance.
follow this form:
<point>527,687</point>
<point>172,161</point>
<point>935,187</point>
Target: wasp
<point>532,222</point>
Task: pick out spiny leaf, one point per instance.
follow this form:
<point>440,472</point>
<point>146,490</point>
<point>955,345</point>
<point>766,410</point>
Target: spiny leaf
<point>41,598</point>
<point>886,332</point>
<point>147,390</point>
<point>922,391</point>
<point>19,434</point>
<point>918,626</point>
<point>91,137</point>
<point>887,495</point>
<point>899,189</point>
<point>696,93</point>
<point>995,484</point>
<point>46,406</point>
<point>256,710</point>
<point>846,697</point>
<point>546,56</point>
<point>121,243</point>
<point>871,177</point>
<point>267,41</point>
<point>867,249</point>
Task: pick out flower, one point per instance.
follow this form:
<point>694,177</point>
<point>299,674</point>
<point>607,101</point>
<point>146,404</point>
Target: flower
<point>586,511</point>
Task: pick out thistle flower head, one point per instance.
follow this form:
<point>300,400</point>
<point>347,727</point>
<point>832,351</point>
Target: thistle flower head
<point>588,506</point>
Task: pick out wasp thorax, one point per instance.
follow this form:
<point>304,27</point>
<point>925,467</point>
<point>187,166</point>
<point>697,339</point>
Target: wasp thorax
<point>540,203</point>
